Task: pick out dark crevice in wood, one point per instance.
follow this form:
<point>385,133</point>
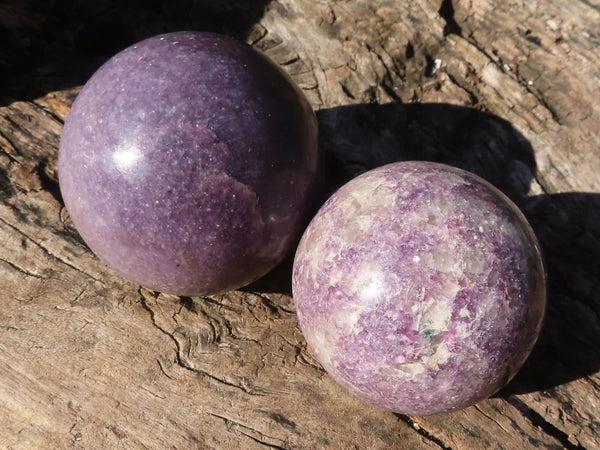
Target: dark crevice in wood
<point>447,13</point>
<point>48,112</point>
<point>179,350</point>
<point>272,305</point>
<point>430,67</point>
<point>464,86</point>
<point>188,303</point>
<point>20,269</point>
<point>214,301</point>
<point>530,37</point>
<point>389,90</point>
<point>522,82</point>
<point>266,444</point>
<point>7,190</point>
<point>537,420</point>
<point>11,145</point>
<point>48,184</point>
<point>230,422</point>
<point>387,83</point>
<point>591,5</point>
<point>545,104</point>
<point>410,51</point>
<point>349,94</point>
<point>50,254</point>
<point>423,432</point>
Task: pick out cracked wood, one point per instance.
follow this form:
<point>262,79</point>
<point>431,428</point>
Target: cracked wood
<point>505,89</point>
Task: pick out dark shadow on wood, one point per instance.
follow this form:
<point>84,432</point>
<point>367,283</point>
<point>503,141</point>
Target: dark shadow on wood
<point>357,138</point>
<point>52,45</point>
<point>568,227</point>
<point>277,281</point>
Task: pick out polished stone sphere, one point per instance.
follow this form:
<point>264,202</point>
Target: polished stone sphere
<point>189,163</point>
<point>420,287</point>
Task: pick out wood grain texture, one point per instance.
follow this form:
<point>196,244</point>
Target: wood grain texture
<point>506,89</point>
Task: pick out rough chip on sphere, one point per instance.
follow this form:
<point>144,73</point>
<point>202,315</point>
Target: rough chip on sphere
<point>188,163</point>
<point>420,287</point>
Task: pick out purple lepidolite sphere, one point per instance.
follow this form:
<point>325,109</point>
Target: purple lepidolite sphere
<point>189,163</point>
<point>420,287</point>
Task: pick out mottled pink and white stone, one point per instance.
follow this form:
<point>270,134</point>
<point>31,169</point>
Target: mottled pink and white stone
<point>420,287</point>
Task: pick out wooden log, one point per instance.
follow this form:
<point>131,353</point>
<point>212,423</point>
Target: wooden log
<point>505,89</point>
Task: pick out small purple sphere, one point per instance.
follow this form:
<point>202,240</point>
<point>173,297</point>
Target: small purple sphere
<point>420,287</point>
<point>189,163</point>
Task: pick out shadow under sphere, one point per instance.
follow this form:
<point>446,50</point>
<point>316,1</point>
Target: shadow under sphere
<point>357,138</point>
<point>568,227</point>
<point>54,45</point>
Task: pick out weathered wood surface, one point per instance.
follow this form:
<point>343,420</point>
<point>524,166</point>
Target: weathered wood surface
<point>507,89</point>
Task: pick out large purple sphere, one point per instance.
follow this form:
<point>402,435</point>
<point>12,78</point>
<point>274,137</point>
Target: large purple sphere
<point>189,163</point>
<point>420,287</point>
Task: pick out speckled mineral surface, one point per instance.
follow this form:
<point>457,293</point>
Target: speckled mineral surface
<point>420,287</point>
<point>189,163</point>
